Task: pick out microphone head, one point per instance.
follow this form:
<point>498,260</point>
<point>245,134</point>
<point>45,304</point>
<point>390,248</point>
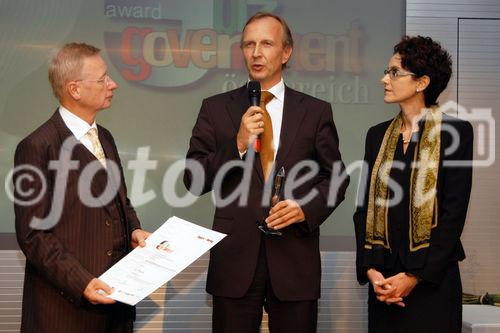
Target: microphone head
<point>253,89</point>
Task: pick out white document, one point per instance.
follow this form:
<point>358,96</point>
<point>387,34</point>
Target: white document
<point>170,249</point>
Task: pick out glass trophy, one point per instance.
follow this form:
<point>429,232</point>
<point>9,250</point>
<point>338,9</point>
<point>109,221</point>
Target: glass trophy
<point>279,181</point>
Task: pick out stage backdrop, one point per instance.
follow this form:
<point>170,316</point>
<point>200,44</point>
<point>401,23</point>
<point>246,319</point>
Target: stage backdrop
<point>167,55</point>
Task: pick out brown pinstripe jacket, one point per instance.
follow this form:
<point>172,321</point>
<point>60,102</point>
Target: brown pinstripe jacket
<point>61,261</point>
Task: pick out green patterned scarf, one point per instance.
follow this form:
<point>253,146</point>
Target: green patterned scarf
<point>423,181</point>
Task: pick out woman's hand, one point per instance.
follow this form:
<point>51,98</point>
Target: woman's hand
<point>382,289</point>
<point>402,285</point>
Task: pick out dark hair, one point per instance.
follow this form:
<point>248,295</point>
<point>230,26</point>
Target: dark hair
<point>423,56</point>
<point>287,34</point>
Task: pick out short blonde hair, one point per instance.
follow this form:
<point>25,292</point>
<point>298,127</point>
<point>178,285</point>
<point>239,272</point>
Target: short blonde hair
<point>67,64</point>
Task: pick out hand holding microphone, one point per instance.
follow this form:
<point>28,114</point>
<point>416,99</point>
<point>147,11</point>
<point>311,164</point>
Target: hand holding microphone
<point>252,122</point>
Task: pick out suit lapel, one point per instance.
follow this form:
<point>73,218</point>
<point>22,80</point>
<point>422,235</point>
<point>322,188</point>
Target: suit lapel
<point>237,106</point>
<point>293,112</point>
<point>111,156</point>
<point>81,154</point>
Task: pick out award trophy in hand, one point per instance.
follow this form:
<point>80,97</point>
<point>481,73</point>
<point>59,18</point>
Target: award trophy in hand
<point>276,197</point>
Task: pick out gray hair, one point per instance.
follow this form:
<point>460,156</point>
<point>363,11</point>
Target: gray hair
<point>67,64</point>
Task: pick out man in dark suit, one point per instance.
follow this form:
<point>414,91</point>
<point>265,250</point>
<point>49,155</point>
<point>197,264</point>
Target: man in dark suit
<point>73,225</point>
<point>250,269</point>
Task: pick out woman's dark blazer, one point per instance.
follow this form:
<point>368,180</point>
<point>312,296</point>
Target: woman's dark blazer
<point>453,192</point>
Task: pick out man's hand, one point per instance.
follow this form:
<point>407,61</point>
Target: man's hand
<point>138,238</point>
<point>283,214</point>
<point>251,125</point>
<point>382,289</point>
<point>96,292</point>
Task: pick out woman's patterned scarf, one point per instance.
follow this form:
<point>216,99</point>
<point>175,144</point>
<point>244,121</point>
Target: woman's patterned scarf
<point>423,182</point>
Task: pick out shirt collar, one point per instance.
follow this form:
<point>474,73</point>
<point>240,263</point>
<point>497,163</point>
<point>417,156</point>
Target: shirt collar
<point>76,125</point>
<point>278,90</point>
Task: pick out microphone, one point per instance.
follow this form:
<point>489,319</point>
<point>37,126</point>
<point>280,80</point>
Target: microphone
<point>253,89</point>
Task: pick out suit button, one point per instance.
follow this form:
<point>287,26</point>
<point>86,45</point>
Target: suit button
<point>109,253</point>
<point>107,223</point>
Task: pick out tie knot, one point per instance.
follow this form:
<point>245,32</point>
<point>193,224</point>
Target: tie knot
<point>92,132</point>
<point>265,97</point>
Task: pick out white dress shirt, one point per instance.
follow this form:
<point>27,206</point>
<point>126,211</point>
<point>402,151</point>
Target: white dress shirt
<point>275,110</point>
<point>77,126</point>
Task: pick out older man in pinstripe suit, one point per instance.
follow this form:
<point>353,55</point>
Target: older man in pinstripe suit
<point>67,241</point>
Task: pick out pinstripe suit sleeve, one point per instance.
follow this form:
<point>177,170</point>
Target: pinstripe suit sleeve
<point>42,249</point>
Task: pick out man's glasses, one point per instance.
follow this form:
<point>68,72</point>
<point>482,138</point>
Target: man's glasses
<point>104,80</point>
<point>394,73</point>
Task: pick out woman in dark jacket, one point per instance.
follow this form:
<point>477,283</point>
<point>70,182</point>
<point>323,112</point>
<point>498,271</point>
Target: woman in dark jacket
<point>412,212</point>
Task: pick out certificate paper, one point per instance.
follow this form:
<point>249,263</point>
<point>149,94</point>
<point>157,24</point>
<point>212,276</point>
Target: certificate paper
<point>170,249</point>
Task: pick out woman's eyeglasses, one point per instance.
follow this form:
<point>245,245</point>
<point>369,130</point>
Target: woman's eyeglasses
<point>394,73</point>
